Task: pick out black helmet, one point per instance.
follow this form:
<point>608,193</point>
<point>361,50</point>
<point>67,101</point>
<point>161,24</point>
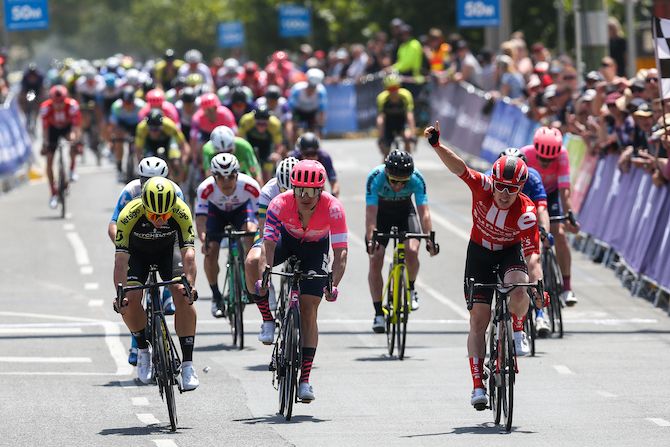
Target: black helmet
<point>308,142</point>
<point>238,95</point>
<point>513,152</point>
<point>273,92</point>
<point>32,67</point>
<point>262,113</point>
<point>128,93</point>
<point>188,95</point>
<point>399,164</point>
<point>155,118</point>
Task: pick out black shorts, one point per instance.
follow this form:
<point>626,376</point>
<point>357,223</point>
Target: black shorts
<point>313,257</point>
<point>129,128</point>
<point>308,118</point>
<point>402,215</point>
<point>480,264</point>
<point>391,131</point>
<point>55,134</point>
<point>217,220</point>
<point>168,261</point>
<point>554,204</point>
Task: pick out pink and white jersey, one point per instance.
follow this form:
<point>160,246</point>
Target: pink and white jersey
<point>247,190</point>
<point>201,124</point>
<point>556,175</point>
<point>168,110</point>
<point>328,219</point>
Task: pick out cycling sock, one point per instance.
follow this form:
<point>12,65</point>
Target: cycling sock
<point>566,282</point>
<point>263,306</point>
<point>539,313</point>
<point>187,347</point>
<point>517,323</point>
<point>411,284</point>
<point>307,360</point>
<point>133,342</point>
<point>54,191</point>
<point>118,165</point>
<point>476,367</point>
<point>141,339</point>
<point>216,294</point>
<point>378,308</point>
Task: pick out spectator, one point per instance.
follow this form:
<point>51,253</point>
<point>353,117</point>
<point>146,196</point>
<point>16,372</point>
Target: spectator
<point>652,90</point>
<point>509,81</point>
<point>437,51</point>
<point>306,52</point>
<point>410,55</point>
<point>608,69</point>
<point>359,62</point>
<point>539,53</point>
<point>618,131</point>
<point>617,45</point>
<point>394,43</point>
<point>487,80</point>
<point>340,62</point>
<point>467,67</point>
<point>376,58</point>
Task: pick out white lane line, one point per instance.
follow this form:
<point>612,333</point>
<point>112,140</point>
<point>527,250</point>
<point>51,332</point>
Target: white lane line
<point>39,331</point>
<point>54,373</point>
<point>660,422</point>
<point>45,359</point>
<point>140,401</point>
<point>91,286</point>
<point>80,253</point>
<point>454,229</point>
<point>164,442</point>
<point>68,227</point>
<point>96,303</point>
<point>606,394</point>
<point>460,310</point>
<point>86,270</point>
<point>147,418</point>
<point>116,349</point>
<point>562,369</point>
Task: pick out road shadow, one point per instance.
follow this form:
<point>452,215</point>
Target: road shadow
<point>219,347</point>
<point>279,419</point>
<point>487,428</point>
<point>387,358</point>
<point>144,430</point>
<point>262,367</point>
<point>49,218</point>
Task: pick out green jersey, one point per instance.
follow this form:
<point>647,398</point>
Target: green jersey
<point>243,151</point>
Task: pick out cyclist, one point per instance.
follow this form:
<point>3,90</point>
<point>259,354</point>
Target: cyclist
<point>110,92</point>
<point>263,132</point>
<point>155,100</point>
<point>254,79</point>
<point>155,135</point>
<point>395,115</point>
<point>308,147</point>
<point>32,81</point>
<point>301,222</point>
<point>194,65</point>
<point>239,103</point>
<point>223,139</point>
<point>503,220</point>
<point>308,101</point>
<point>186,107</point>
<point>149,231</point>
<point>550,158</point>
<point>124,118</point>
<point>166,69</point>
<point>61,118</point>
<point>277,185</point>
<point>388,200</point>
<point>210,115</point>
<point>227,197</point>
<point>148,167</point>
<point>277,104</point>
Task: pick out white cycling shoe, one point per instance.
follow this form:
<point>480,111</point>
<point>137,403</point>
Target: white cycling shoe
<point>189,379</point>
<point>568,298</point>
<point>415,299</point>
<point>478,399</point>
<point>378,324</point>
<point>305,392</point>
<point>53,202</point>
<point>145,368</point>
<point>521,344</point>
<point>542,327</point>
<point>267,334</point>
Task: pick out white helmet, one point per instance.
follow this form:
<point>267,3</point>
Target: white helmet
<point>225,164</point>
<point>314,76</point>
<point>231,65</point>
<point>283,173</point>
<point>152,167</point>
<point>223,139</point>
<point>133,76</point>
<point>193,57</point>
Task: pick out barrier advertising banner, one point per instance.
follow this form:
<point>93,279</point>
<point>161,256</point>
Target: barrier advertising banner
<point>15,146</point>
<point>339,112</point>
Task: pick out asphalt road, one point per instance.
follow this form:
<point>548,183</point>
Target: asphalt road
<point>65,380</point>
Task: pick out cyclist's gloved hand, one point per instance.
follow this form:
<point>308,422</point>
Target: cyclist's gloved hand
<point>122,308</point>
<point>332,295</point>
<point>372,246</point>
<point>433,134</point>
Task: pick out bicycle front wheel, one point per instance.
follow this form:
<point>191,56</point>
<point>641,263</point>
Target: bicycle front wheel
<point>62,183</point>
<point>292,359</point>
<point>494,373</point>
<point>508,374</point>
<point>553,287</point>
<point>165,373</point>
<point>239,305</point>
<point>403,314</point>
<point>390,315</point>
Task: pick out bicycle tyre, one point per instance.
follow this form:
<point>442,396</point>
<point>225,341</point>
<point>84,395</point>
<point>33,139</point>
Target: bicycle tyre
<point>293,360</point>
<point>280,365</point>
<point>510,376</point>
<point>230,302</point>
<point>403,315</point>
<point>165,371</point>
<point>130,163</point>
<point>389,317</point>
<point>553,286</point>
<point>494,360</point>
<point>239,305</point>
<point>62,182</point>
<point>529,329</point>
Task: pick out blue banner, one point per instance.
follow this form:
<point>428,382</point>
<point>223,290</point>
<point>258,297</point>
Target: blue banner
<point>22,15</point>
<point>341,109</point>
<point>294,21</point>
<point>230,34</point>
<point>509,127</point>
<point>15,146</point>
<point>478,13</point>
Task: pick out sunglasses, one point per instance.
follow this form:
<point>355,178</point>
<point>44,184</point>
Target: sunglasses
<point>226,177</point>
<point>155,128</point>
<point>511,189</point>
<point>649,80</point>
<point>396,181</point>
<point>605,65</point>
<point>309,192</point>
<point>544,160</point>
<point>154,217</point>
<point>569,78</point>
<point>262,123</point>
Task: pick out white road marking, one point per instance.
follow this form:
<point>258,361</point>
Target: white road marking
<point>80,253</point>
<point>562,369</point>
<point>660,422</point>
<point>39,331</point>
<point>454,229</point>
<point>606,394</point>
<point>91,286</point>
<point>147,418</point>
<point>54,373</point>
<point>164,442</point>
<point>86,269</point>
<point>45,359</point>
<point>96,303</point>
<point>460,310</point>
<point>140,401</point>
<point>68,227</point>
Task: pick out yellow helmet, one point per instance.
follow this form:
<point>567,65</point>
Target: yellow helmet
<point>392,80</point>
<point>159,195</point>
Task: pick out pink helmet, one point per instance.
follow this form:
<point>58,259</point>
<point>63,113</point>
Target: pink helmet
<point>209,100</point>
<point>548,142</point>
<point>308,174</point>
<point>155,98</point>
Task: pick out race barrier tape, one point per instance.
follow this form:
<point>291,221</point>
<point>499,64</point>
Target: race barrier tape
<point>15,148</point>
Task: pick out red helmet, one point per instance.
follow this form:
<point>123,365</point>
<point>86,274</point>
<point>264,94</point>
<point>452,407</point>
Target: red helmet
<point>57,93</point>
<point>510,170</point>
<point>279,56</point>
<point>155,98</point>
<point>548,142</point>
<point>251,67</point>
<point>308,174</point>
<point>209,100</point>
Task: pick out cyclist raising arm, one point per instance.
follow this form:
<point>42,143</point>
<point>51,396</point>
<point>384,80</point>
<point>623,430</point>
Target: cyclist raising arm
<point>502,220</point>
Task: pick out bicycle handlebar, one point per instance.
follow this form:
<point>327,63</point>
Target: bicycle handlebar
<point>121,290</point>
<point>570,217</point>
<point>501,288</point>
<point>296,275</point>
<point>402,235</point>
<point>229,232</point>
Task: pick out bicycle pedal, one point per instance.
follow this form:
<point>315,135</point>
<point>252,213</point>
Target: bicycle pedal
<point>480,407</point>
<point>271,367</point>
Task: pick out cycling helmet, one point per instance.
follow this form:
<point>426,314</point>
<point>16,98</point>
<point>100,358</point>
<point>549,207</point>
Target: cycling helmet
<point>32,67</point>
<point>399,164</point>
<point>153,167</point>
<point>250,67</point>
<point>510,170</point>
<point>262,113</point>
<point>179,82</point>
<point>548,142</point>
<point>194,79</point>
<point>113,63</point>
<point>283,173</point>
<point>231,65</point>
<point>392,80</point>
<point>223,139</point>
<point>128,94</point>
<point>193,57</point>
<point>513,152</point>
<point>57,92</point>
<point>225,164</point>
<point>159,195</point>
<point>238,95</point>
<point>90,73</point>
<point>169,54</point>
<point>155,98</point>
<point>209,100</point>
<point>155,118</point>
<point>279,56</point>
<point>273,92</point>
<point>307,142</point>
<point>110,79</point>
<point>314,76</point>
<point>187,95</point>
<point>308,174</point>
<point>133,76</point>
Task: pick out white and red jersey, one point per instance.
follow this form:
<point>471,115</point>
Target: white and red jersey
<point>328,219</point>
<point>494,228</point>
<point>556,175</point>
<point>247,190</point>
<point>168,110</point>
<point>200,122</point>
<point>68,115</point>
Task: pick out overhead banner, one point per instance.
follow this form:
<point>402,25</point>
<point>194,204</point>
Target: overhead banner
<point>230,35</point>
<point>25,15</point>
<point>294,21</point>
<point>15,146</point>
<point>478,13</point>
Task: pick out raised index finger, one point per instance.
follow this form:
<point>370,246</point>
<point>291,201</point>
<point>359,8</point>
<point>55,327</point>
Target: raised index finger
<point>437,125</point>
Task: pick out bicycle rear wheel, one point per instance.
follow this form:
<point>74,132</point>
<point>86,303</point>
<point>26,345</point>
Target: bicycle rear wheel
<point>130,163</point>
<point>230,300</point>
<point>509,373</point>
<point>292,359</point>
<point>553,287</point>
<point>280,370</point>
<point>165,370</point>
<point>402,315</point>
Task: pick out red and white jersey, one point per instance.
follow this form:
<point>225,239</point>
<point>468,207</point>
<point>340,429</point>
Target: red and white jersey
<point>247,190</point>
<point>494,228</point>
<point>68,115</point>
